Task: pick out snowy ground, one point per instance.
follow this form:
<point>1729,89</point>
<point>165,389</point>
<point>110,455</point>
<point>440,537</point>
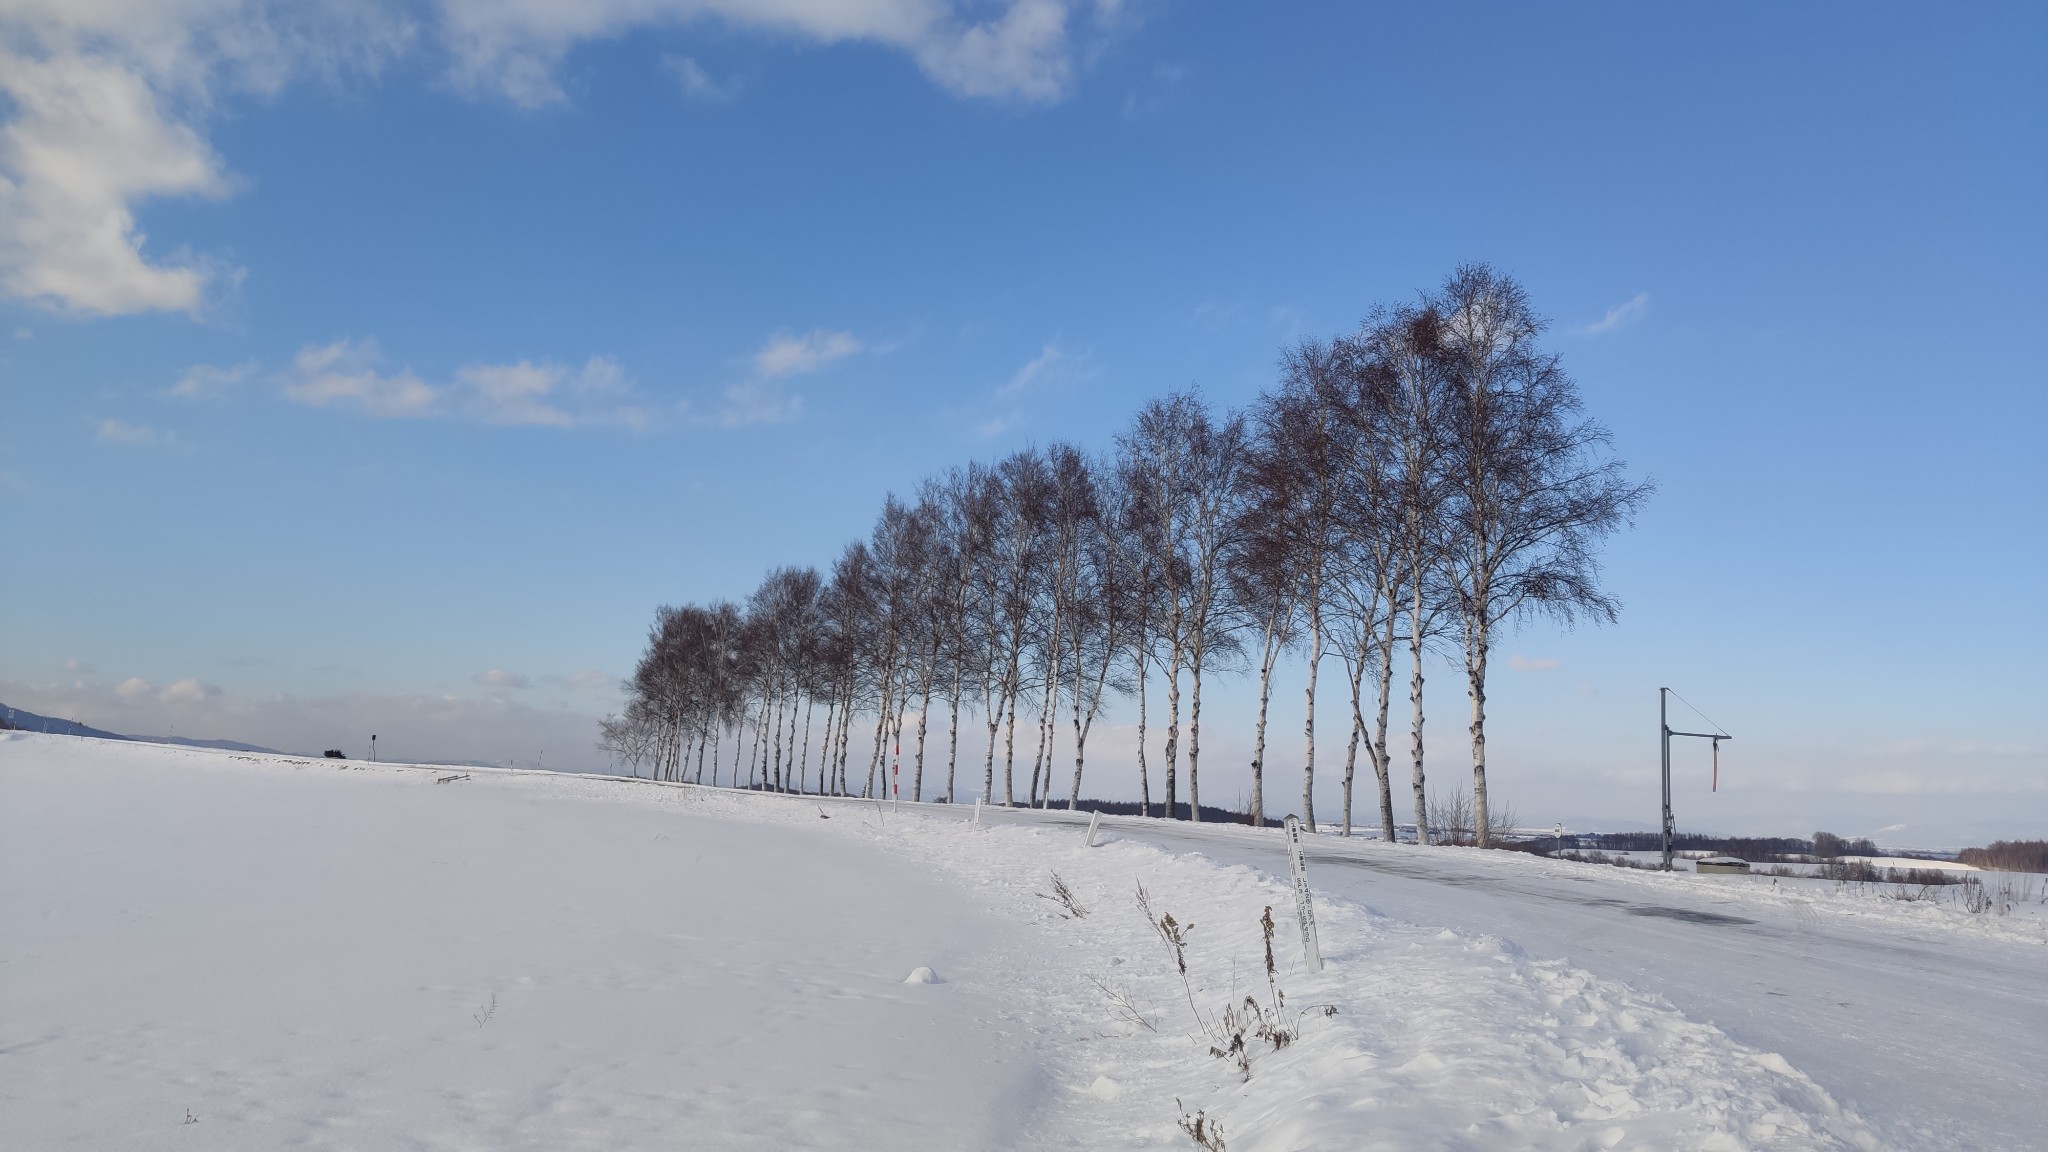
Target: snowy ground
<point>352,956</point>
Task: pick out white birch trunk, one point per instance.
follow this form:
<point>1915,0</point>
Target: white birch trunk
<point>1315,663</point>
<point>1415,639</point>
<point>1475,675</point>
<point>1268,654</point>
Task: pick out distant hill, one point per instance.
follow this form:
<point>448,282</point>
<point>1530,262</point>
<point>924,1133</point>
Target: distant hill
<point>35,722</point>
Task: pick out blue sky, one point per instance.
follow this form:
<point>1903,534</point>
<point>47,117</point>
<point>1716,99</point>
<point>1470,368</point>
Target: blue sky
<point>381,367</point>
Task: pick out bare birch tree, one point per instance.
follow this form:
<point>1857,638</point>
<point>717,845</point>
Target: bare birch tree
<point>1531,486</point>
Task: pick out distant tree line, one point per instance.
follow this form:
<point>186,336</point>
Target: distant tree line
<point>2002,855</point>
<point>1408,488</point>
<point>1756,849</point>
<point>2009,856</point>
<point>1829,845</point>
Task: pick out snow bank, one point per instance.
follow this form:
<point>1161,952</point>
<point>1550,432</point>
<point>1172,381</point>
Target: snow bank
<point>1438,1039</point>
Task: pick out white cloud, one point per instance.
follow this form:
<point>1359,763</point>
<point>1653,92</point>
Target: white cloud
<point>516,393</point>
<point>347,374</point>
<point>499,678</point>
<point>82,666</point>
<point>120,432</point>
<point>1621,315</point>
<point>88,139</point>
<point>697,83</point>
<point>763,398</point>
<point>1024,52</point>
<point>1023,55</point>
<point>1521,663</point>
<point>343,375</point>
<point>529,393</point>
<point>788,355</point>
<point>551,393</point>
<point>104,106</point>
<point>205,381</point>
<point>187,691</point>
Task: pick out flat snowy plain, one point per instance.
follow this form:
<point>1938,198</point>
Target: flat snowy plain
<point>213,950</point>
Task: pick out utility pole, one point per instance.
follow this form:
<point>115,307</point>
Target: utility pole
<point>1664,727</point>
<point>373,747</point>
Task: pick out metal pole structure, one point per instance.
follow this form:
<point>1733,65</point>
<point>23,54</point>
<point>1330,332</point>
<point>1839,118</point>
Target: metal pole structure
<point>1664,736</point>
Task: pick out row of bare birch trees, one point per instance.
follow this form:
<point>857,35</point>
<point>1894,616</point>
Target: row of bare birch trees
<point>1410,488</point>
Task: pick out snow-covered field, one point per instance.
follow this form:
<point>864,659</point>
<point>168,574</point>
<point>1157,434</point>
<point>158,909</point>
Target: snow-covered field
<point>333,954</point>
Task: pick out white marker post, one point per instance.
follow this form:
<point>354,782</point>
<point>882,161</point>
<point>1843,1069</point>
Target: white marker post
<point>1094,822</point>
<point>1303,910</point>
<point>977,811</point>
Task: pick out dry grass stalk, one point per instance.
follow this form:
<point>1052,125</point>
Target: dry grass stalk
<point>1206,1133</point>
<point>1065,898</point>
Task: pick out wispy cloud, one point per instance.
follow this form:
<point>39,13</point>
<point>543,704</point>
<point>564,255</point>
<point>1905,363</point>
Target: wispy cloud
<point>764,397</point>
<point>995,426</point>
<point>1023,50</point>
<point>546,394</point>
<point>1055,366</point>
<point>590,679</point>
<point>791,355</point>
<point>1047,364</point>
<point>1521,663</point>
<point>1621,315</point>
<point>126,434</point>
<point>499,678</point>
<point>698,84</point>
<point>1214,313</point>
<point>1152,97</point>
<point>343,375</point>
<point>187,691</point>
<point>1003,411</point>
<point>207,382</point>
<point>758,402</point>
<point>349,375</point>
